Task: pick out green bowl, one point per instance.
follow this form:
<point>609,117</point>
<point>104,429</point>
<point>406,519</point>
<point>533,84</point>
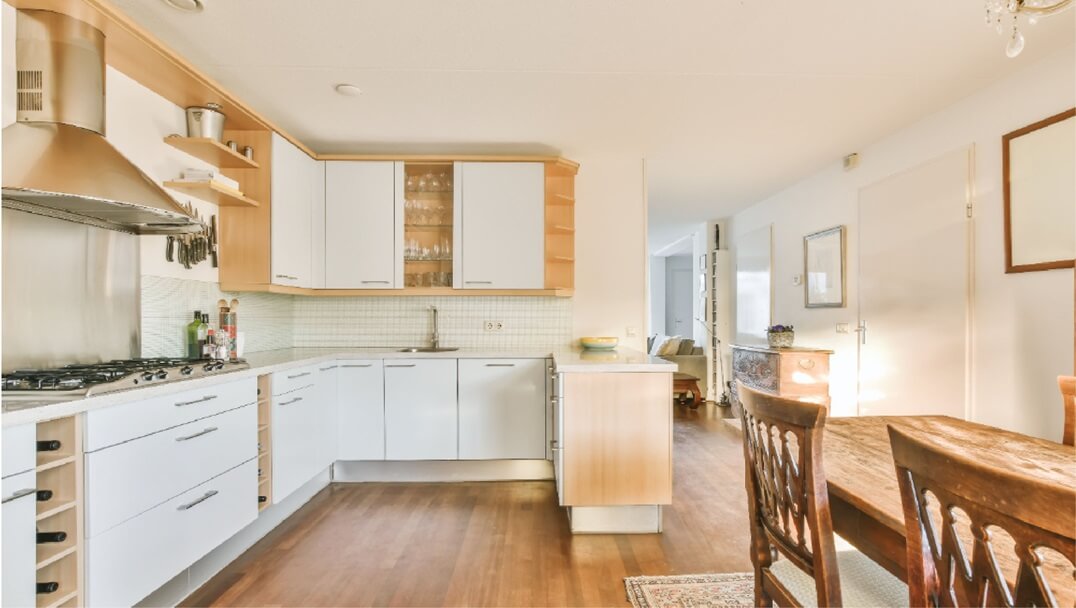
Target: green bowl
<point>599,342</point>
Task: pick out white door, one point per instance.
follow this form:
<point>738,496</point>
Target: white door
<point>361,428</point>
<point>420,409</point>
<point>291,211</point>
<point>914,290</point>
<point>360,224</point>
<point>502,408</point>
<point>328,387</point>
<point>678,296</point>
<point>19,540</point>
<point>501,225</point>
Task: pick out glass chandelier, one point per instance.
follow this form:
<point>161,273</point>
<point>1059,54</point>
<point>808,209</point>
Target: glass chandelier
<point>1005,16</point>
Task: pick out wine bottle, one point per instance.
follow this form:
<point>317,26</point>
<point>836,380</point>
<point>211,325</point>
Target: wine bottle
<point>44,495</point>
<point>263,498</point>
<point>51,537</point>
<point>49,587</point>
<point>194,346</point>
<point>50,445</point>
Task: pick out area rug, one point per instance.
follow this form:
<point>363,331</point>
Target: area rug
<point>690,590</point>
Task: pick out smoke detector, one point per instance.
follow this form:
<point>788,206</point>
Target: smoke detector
<point>851,161</point>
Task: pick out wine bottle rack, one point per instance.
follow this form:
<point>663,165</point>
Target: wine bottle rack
<point>265,440</point>
<point>61,472</point>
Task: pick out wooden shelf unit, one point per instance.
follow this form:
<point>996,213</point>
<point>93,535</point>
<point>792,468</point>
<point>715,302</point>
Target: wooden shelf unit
<point>211,151</point>
<point>560,225</point>
<point>61,472</point>
<point>265,440</point>
<point>211,192</point>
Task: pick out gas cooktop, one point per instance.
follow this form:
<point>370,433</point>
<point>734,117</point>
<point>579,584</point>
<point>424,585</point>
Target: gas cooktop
<point>84,380</point>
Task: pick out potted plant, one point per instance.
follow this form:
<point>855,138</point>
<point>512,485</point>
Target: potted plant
<point>780,336</point>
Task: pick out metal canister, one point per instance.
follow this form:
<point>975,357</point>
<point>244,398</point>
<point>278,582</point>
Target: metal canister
<point>248,152</point>
<point>207,121</point>
<point>233,145</point>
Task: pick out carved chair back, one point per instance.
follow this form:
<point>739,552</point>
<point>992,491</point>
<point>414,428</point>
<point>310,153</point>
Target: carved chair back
<point>787,497</point>
<point>1067,384</point>
<point>997,508</point>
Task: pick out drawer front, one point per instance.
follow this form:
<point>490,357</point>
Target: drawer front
<point>292,379</point>
<point>164,465</point>
<point>19,449</point>
<point>756,370</point>
<point>128,562</point>
<point>19,539</point>
<point>121,423</point>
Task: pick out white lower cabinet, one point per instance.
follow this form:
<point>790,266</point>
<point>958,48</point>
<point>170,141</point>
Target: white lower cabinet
<point>296,432</point>
<point>135,558</point>
<point>327,386</point>
<point>19,537</point>
<point>558,435</point>
<point>361,410</point>
<point>420,409</point>
<point>502,408</point>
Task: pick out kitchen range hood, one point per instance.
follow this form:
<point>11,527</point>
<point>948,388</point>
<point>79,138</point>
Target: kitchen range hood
<point>56,160</point>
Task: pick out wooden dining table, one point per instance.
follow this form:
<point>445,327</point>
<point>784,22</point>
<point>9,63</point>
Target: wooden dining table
<point>863,494</point>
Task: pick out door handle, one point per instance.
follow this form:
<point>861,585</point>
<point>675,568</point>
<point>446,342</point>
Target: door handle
<point>298,375</point>
<point>356,365</point>
<point>198,434</point>
<point>19,494</point>
<point>500,365</point>
<point>407,365</point>
<point>479,282</point>
<point>287,276</point>
<point>861,329</point>
<point>375,282</point>
<point>202,400</point>
<point>198,501</point>
<point>295,400</point>
<point>325,369</point>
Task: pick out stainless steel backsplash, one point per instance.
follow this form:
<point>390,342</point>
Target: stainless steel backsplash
<point>70,293</point>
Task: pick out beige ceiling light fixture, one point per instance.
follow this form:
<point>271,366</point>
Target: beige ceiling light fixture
<point>1003,13</point>
<point>187,6</point>
<point>348,90</point>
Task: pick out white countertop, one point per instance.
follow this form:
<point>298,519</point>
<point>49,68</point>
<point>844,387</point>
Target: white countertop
<point>266,362</point>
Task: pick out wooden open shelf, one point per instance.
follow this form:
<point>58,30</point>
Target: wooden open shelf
<point>212,193</point>
<point>265,440</point>
<point>560,225</point>
<point>65,521</point>
<point>211,151</point>
<point>62,430</point>
<point>61,472</point>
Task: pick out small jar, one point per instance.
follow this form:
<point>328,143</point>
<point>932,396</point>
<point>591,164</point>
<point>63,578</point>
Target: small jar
<point>248,152</point>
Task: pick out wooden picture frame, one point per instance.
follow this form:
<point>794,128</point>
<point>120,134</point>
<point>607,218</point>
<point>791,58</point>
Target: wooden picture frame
<point>824,273</point>
<point>1017,259</point>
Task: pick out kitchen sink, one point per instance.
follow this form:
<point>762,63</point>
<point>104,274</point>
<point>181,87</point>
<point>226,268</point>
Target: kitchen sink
<point>429,349</point>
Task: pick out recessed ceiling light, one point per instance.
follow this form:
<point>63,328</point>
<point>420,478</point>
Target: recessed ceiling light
<point>349,90</point>
<point>187,6</point>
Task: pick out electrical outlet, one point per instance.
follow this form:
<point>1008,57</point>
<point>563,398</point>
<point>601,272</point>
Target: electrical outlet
<point>843,328</point>
<point>629,331</point>
<point>488,325</point>
<point>498,325</point>
<point>797,279</point>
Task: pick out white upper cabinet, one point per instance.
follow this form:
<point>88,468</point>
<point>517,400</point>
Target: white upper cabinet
<point>363,225</point>
<point>292,182</point>
<point>500,220</point>
<point>317,227</point>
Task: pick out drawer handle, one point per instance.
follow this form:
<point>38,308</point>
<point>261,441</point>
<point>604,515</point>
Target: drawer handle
<point>198,434</point>
<point>298,375</point>
<point>325,369</point>
<point>500,365</point>
<point>198,501</point>
<point>287,276</point>
<point>19,494</point>
<point>402,365</point>
<point>295,400</point>
<point>375,282</point>
<point>357,365</point>
<point>202,400</point>
<point>479,282</point>
<point>807,363</point>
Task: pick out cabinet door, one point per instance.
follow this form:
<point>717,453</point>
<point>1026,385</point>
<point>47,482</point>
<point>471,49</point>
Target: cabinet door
<point>558,435</point>
<point>361,428</point>
<point>502,408</point>
<point>502,218</point>
<point>328,388</point>
<point>361,224</point>
<point>420,409</point>
<point>20,540</point>
<point>291,194</point>
<point>317,226</point>
<point>295,434</point>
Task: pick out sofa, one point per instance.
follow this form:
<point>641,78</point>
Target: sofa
<point>689,358</point>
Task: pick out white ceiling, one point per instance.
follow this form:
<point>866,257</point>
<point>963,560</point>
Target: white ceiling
<point>728,101</point>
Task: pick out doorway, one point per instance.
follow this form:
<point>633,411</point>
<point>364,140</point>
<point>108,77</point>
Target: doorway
<point>678,296</point>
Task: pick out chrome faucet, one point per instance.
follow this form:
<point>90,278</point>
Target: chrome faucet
<point>435,339</point>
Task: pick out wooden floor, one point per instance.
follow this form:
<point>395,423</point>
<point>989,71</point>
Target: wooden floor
<point>492,544</point>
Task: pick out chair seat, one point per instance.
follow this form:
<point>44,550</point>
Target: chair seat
<point>863,582</point>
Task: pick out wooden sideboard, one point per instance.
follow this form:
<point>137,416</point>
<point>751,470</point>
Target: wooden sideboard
<point>796,373</point>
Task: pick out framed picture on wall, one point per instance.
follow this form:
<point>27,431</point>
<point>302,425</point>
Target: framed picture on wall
<point>823,261</point>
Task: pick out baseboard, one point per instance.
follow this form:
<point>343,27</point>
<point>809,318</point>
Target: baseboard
<point>187,582</point>
<point>441,470</point>
<point>632,519</point>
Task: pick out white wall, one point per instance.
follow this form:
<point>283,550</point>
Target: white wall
<point>1021,322</point>
<point>610,249</point>
<point>657,296</point>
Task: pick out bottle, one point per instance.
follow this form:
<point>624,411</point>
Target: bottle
<point>209,348</point>
<point>50,587</point>
<point>51,537</point>
<point>194,347</point>
<point>263,498</point>
<point>44,495</point>
<point>203,331</point>
<point>50,445</point>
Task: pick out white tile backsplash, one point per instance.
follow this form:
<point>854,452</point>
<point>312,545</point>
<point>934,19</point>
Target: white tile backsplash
<point>271,321</point>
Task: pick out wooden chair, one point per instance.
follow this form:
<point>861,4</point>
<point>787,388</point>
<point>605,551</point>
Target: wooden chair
<point>788,505</point>
<point>1034,513</point>
<point>1067,384</point>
